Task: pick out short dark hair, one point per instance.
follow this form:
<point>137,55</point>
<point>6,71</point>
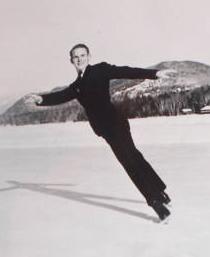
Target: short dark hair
<point>78,46</point>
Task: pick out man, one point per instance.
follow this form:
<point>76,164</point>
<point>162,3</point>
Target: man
<point>91,89</point>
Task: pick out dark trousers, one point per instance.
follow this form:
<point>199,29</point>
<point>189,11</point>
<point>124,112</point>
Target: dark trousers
<point>138,169</point>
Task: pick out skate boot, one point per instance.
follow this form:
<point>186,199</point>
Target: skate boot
<point>160,209</point>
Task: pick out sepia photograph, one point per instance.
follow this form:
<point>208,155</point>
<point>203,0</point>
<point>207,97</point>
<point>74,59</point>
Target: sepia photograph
<point>104,128</point>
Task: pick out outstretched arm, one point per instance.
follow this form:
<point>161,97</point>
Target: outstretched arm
<point>54,98</point>
<point>126,72</point>
<point>58,97</point>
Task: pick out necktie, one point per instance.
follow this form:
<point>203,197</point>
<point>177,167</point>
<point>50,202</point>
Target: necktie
<point>79,75</point>
<point>78,80</point>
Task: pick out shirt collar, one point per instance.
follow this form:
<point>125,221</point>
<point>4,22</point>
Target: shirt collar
<point>81,74</point>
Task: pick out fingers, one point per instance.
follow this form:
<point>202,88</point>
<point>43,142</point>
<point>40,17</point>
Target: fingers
<point>170,72</point>
<point>166,74</point>
<point>32,99</point>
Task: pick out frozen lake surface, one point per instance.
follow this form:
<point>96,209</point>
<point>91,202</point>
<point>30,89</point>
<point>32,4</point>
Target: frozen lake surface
<point>63,193</point>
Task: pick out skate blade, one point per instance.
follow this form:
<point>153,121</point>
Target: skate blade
<point>165,221</point>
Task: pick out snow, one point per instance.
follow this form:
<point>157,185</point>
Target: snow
<point>63,193</point>
<point>205,109</point>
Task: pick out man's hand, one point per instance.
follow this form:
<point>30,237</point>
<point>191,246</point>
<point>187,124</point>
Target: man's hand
<point>166,74</point>
<point>33,99</point>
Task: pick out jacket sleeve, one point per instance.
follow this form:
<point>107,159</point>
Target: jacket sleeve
<point>58,97</point>
<point>126,72</point>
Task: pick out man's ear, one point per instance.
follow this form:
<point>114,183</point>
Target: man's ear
<point>71,60</point>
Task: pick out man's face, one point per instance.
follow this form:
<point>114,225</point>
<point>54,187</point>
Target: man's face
<point>80,59</point>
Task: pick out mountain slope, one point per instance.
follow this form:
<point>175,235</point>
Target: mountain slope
<point>188,88</point>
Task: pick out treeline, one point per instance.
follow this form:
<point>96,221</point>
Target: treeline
<point>71,111</point>
<point>167,103</point>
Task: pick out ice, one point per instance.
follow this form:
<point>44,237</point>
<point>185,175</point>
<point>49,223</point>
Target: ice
<point>63,193</point>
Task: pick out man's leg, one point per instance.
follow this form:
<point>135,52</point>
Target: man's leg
<point>138,169</point>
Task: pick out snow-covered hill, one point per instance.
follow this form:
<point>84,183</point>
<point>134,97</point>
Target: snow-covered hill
<point>188,88</point>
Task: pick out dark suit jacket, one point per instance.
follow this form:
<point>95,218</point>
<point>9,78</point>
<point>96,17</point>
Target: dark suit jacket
<point>92,91</point>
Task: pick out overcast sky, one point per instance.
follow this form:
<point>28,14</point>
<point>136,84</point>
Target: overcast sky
<point>36,36</point>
